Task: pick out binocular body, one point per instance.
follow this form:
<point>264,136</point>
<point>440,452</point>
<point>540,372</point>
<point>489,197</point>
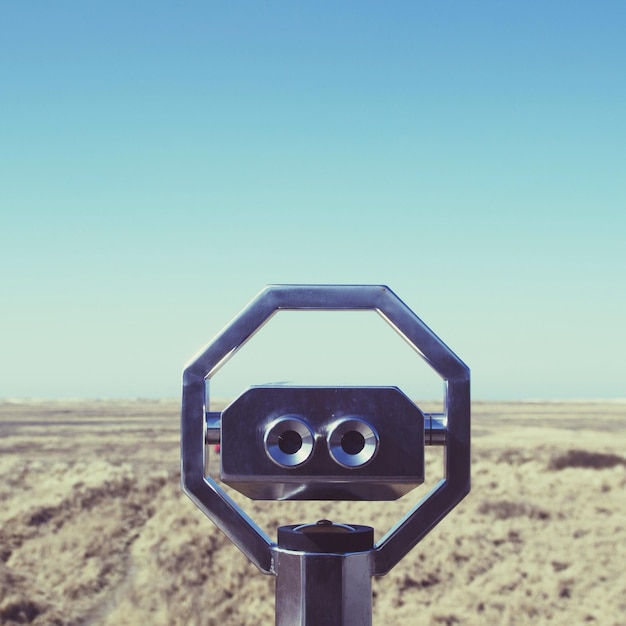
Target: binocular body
<point>322,443</point>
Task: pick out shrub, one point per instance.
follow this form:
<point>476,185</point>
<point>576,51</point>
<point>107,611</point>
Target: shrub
<point>585,459</point>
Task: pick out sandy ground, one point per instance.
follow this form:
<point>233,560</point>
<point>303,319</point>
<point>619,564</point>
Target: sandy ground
<point>95,530</point>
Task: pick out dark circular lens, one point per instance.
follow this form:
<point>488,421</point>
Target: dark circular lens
<point>352,442</point>
<point>289,442</point>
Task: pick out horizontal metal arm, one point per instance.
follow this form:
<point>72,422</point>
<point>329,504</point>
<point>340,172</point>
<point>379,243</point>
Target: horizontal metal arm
<point>213,425</point>
<point>435,428</point>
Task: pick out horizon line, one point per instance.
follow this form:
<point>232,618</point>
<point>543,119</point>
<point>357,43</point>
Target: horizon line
<point>533,400</point>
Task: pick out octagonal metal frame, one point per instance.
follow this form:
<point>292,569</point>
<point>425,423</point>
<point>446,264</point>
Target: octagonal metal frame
<point>226,513</point>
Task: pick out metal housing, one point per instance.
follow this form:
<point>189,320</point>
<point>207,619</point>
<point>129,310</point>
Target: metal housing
<point>228,516</point>
<point>343,443</point>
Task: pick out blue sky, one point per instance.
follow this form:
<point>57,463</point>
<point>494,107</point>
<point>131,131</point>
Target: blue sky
<point>161,162</point>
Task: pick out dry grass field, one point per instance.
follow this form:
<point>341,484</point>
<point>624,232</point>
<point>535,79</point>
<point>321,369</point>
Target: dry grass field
<point>95,530</point>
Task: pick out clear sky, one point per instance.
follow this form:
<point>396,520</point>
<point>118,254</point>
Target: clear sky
<point>160,162</point>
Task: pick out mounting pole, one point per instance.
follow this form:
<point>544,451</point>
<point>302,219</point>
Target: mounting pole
<point>324,575</point>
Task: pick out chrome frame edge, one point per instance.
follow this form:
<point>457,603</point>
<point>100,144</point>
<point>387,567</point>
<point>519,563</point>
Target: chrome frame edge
<point>195,431</point>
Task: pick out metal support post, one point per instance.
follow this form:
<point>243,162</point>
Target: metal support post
<point>324,575</point>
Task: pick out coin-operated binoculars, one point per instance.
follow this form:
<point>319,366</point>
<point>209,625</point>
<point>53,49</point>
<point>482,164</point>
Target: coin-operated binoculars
<point>324,443</point>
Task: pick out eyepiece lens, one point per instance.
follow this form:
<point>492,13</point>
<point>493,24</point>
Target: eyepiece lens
<point>352,442</point>
<point>289,442</point>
